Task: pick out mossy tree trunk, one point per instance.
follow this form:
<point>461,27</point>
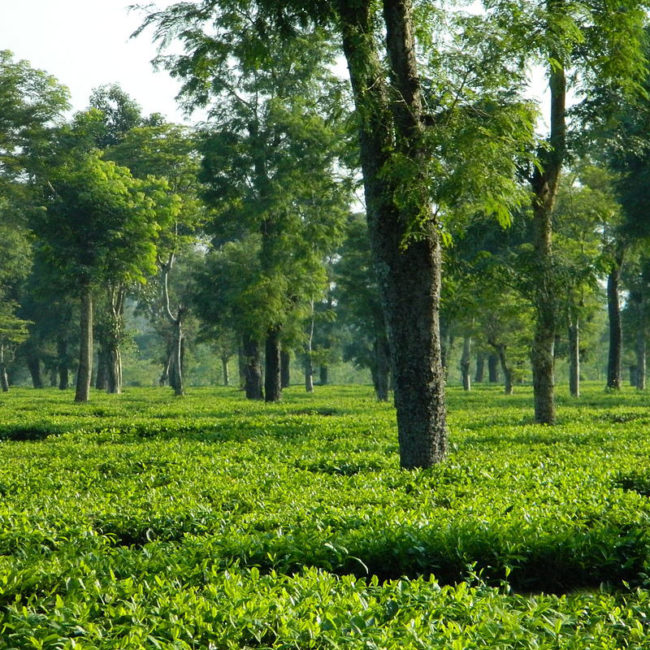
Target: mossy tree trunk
<point>408,272</point>
<point>85,370</point>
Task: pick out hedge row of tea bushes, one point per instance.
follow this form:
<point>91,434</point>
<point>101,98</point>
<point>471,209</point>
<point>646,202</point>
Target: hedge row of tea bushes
<point>144,521</point>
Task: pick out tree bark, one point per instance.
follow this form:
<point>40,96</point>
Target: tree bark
<point>640,359</point>
<point>574,356</point>
<point>224,370</point>
<point>285,368</point>
<point>272,373</point>
<point>408,271</point>
<point>176,358</point>
<point>544,184</point>
<point>493,369</point>
<point>464,363</point>
<point>85,371</point>
<point>324,374</point>
<point>101,376</point>
<point>614,359</point>
<point>480,368</point>
<point>253,370</point>
<point>34,367</point>
<point>507,370</point>
<point>114,336</point>
<point>309,373</point>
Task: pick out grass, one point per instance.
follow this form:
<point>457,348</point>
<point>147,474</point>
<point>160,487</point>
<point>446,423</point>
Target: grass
<point>145,521</point>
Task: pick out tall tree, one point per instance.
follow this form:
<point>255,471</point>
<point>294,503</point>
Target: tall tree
<point>580,42</point>
<point>100,226</point>
<point>398,162</point>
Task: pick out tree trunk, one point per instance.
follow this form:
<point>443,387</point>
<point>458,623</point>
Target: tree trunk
<point>408,271</point>
<point>176,357</point>
<point>63,364</point>
<point>272,380</point>
<point>544,184</point>
<point>446,345</point>
<point>493,369</point>
<point>381,367</point>
<point>34,367</point>
<point>253,370</point>
<point>116,295</point>
<point>224,369</point>
<point>615,327</point>
<point>480,368</point>
<point>85,371</point>
<point>640,358</point>
<point>101,378</point>
<point>309,373</point>
<point>285,368</point>
<point>324,374</point>
<point>464,363</point>
<point>176,365</point>
<point>114,371</point>
<point>574,357</point>
<point>507,370</point>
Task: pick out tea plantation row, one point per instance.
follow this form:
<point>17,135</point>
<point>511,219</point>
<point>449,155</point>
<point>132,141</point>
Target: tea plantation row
<point>144,521</point>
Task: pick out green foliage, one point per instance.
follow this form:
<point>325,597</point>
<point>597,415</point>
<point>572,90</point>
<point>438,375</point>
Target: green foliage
<point>101,223</point>
<point>153,522</point>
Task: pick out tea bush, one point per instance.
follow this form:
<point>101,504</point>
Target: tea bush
<point>147,521</point>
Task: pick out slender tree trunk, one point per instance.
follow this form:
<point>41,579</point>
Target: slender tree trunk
<point>285,368</point>
<point>224,369</point>
<point>116,295</point>
<point>176,363</point>
<point>615,328</point>
<point>169,359</point>
<point>34,367</point>
<point>241,364</point>
<point>62,362</point>
<point>4,377</point>
<point>309,373</point>
<point>324,374</point>
<point>253,370</point>
<point>409,273</point>
<point>381,368</point>
<point>464,363</point>
<point>493,369</point>
<point>480,368</point>
<point>272,374</point>
<point>640,359</point>
<point>308,361</point>
<point>114,374</point>
<point>85,371</point>
<point>505,367</point>
<point>101,376</point>
<point>545,183</point>
<point>574,356</point>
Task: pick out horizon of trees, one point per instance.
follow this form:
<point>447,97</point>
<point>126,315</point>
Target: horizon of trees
<point>487,245</point>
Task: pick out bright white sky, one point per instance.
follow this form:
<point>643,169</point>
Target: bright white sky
<point>85,44</point>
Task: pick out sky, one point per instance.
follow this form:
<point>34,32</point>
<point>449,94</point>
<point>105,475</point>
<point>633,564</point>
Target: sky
<point>85,44</point>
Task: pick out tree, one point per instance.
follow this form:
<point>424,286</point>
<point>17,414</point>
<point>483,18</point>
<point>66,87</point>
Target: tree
<point>168,151</point>
<point>399,159</point>
<point>359,307</point>
<point>582,42</point>
<point>100,226</point>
